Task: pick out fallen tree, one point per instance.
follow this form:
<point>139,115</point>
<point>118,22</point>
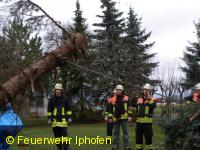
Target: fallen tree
<point>73,46</point>
<point>48,62</point>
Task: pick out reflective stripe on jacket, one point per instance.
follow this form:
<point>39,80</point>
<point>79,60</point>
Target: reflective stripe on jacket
<point>112,110</point>
<point>145,110</point>
<point>59,110</point>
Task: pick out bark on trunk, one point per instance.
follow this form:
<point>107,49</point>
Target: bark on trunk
<point>48,62</point>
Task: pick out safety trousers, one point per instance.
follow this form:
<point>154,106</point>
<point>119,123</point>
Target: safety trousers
<point>109,131</point>
<point>144,130</point>
<point>60,132</point>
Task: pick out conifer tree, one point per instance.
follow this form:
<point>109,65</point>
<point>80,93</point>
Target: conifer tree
<point>192,58</point>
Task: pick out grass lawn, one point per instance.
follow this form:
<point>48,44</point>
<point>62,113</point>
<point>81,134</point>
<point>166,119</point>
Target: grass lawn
<point>33,129</point>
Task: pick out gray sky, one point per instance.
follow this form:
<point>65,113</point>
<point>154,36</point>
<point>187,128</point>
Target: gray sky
<point>171,21</point>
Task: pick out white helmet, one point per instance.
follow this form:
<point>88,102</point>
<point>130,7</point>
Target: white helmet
<point>197,86</point>
<point>58,86</point>
<point>119,87</point>
<point>147,86</point>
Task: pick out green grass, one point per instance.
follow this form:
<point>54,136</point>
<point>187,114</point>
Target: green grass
<point>79,130</point>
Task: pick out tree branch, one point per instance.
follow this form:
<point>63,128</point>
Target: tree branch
<point>47,15</point>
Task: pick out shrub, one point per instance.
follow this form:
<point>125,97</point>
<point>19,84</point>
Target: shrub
<point>181,134</point>
<point>87,116</point>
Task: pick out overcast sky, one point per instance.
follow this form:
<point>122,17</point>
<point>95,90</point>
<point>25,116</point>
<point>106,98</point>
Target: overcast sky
<point>171,21</point>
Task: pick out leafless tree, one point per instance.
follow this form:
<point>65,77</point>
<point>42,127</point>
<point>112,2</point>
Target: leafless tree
<point>168,86</point>
<point>181,88</point>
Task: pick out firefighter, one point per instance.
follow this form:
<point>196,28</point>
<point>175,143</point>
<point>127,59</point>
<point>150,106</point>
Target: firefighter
<point>196,94</point>
<point>120,114</point>
<point>59,115</point>
<point>144,107</point>
<point>109,125</point>
<point>195,99</point>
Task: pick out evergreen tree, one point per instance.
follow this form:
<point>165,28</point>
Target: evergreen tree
<point>181,134</point>
<point>139,61</point>
<point>73,78</point>
<point>79,24</point>
<point>109,52</point>
<point>122,49</point>
<point>20,46</point>
<point>192,58</point>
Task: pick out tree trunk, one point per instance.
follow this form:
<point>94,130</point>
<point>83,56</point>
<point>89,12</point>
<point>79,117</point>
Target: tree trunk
<point>82,98</point>
<point>48,62</point>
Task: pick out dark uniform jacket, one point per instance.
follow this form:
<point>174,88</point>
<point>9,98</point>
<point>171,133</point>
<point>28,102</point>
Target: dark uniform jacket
<point>59,110</point>
<point>144,108</point>
<point>119,108</point>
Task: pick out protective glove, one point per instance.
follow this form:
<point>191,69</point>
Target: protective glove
<point>106,119</point>
<point>49,121</point>
<point>129,119</point>
<point>69,120</point>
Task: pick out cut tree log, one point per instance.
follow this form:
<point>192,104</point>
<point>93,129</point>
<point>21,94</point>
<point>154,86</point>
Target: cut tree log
<point>76,44</point>
<point>48,62</point>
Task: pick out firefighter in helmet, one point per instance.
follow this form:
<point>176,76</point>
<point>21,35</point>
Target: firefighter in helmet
<point>196,95</point>
<point>109,123</point>
<point>59,115</point>
<point>195,99</point>
<point>144,108</point>
<point>120,114</point>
